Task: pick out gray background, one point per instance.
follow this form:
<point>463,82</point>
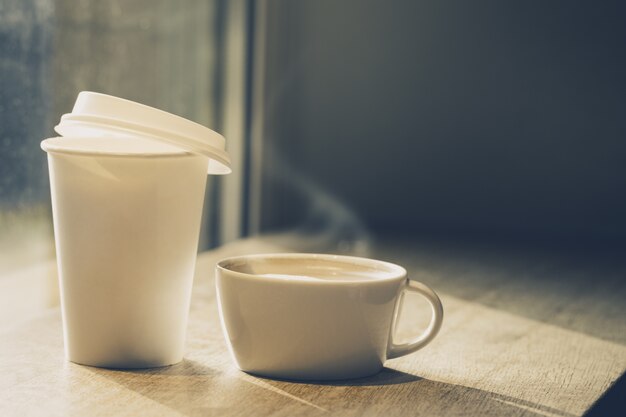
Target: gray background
<point>488,117</point>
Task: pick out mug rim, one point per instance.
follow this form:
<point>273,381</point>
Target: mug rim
<point>395,272</point>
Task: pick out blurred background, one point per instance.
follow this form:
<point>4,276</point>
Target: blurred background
<point>347,121</point>
<point>463,118</point>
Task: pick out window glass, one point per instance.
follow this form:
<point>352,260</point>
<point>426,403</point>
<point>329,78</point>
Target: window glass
<point>153,52</point>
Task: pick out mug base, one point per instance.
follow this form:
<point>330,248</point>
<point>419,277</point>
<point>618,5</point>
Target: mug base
<point>313,376</point>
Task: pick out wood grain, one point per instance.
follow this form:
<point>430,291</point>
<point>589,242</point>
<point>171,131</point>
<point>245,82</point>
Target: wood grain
<point>526,333</point>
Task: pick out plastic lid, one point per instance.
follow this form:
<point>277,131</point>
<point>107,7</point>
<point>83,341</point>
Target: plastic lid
<point>97,115</point>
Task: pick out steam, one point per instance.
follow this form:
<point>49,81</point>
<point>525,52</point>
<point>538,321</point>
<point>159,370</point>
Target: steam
<point>328,225</point>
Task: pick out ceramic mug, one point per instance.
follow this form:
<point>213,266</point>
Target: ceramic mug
<point>316,317</point>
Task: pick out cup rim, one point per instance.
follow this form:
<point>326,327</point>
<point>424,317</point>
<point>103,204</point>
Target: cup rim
<point>395,272</point>
<point>59,145</point>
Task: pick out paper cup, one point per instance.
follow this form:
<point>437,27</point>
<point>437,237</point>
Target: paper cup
<point>126,222</point>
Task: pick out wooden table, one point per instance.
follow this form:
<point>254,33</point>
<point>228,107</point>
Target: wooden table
<point>527,332</point>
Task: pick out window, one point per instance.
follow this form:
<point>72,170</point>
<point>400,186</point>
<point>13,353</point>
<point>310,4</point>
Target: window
<point>186,60</point>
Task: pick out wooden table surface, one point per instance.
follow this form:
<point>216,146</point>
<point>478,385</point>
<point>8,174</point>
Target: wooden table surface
<point>526,332</point>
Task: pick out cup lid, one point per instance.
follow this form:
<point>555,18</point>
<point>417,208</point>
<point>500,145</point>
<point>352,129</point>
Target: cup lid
<point>97,115</point>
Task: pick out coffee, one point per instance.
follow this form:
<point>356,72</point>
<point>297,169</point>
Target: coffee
<point>313,276</point>
<point>316,270</point>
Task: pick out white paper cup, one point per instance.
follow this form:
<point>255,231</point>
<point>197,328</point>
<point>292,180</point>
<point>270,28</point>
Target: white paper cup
<point>126,220</point>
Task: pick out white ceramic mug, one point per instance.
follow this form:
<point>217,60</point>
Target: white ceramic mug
<point>315,317</point>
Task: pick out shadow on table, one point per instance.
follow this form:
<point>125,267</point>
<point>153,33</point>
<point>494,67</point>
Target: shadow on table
<point>612,403</point>
<point>194,389</point>
<point>544,281</point>
<point>386,376</point>
<point>184,368</point>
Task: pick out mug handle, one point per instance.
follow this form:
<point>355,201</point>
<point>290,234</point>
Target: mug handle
<point>396,350</point>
